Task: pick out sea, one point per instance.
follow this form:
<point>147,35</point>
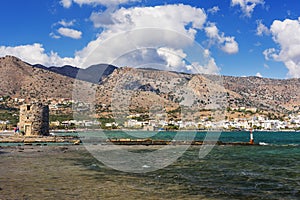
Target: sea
<point>268,170</point>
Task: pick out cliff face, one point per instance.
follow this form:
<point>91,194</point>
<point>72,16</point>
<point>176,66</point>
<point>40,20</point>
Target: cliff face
<point>130,88</point>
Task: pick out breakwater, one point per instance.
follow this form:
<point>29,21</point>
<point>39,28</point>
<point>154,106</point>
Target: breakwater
<point>39,139</point>
<point>121,141</point>
<point>126,141</point>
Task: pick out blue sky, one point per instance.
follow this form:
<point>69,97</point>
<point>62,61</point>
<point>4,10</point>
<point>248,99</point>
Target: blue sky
<point>242,37</point>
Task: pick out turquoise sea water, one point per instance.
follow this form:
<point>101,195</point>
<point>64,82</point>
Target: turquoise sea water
<point>268,171</point>
<point>263,137</point>
<point>239,172</point>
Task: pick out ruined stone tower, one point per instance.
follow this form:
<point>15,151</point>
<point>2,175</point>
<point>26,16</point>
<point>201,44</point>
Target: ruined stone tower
<point>34,119</point>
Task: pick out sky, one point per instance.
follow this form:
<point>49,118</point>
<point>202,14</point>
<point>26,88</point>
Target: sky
<point>228,37</point>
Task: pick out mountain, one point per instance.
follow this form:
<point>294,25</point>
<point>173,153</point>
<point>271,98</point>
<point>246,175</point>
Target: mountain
<point>281,95</point>
<point>66,70</point>
<point>88,74</point>
<point>136,90</point>
<point>24,81</point>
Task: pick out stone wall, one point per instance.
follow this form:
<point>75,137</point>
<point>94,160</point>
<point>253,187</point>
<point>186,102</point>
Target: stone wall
<point>34,119</point>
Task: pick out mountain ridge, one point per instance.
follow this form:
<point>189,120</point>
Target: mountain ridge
<point>82,74</point>
<point>22,80</point>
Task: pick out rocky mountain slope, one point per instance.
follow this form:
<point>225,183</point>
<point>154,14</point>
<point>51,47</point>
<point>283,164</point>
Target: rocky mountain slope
<point>21,80</point>
<point>133,89</point>
<point>264,93</point>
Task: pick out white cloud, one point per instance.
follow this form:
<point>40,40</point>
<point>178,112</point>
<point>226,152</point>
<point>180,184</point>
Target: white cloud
<point>30,53</point>
<point>213,10</point>
<point>175,61</point>
<point>261,28</point>
<point>209,68</point>
<point>65,23</point>
<point>66,3</point>
<point>230,46</point>
<point>247,6</point>
<point>169,29</point>
<point>258,75</point>
<point>67,32</point>
<point>173,17</point>
<point>63,31</point>
<point>100,19</point>
<point>169,26</point>
<point>174,58</point>
<point>212,31</point>
<point>53,35</point>
<point>286,34</point>
<point>226,43</point>
<point>162,36</point>
<point>206,53</point>
<point>35,54</point>
<point>270,54</point>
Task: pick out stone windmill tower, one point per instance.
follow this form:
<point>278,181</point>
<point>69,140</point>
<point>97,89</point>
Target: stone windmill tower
<point>34,119</point>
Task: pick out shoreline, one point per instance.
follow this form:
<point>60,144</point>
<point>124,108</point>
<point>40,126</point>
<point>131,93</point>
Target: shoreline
<point>40,140</point>
<point>11,132</point>
<point>183,130</point>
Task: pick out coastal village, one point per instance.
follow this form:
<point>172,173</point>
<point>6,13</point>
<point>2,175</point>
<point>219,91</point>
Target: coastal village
<point>235,119</point>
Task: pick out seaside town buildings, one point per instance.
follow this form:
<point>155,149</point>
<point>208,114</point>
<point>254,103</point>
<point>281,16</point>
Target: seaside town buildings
<point>135,121</point>
<point>257,123</point>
